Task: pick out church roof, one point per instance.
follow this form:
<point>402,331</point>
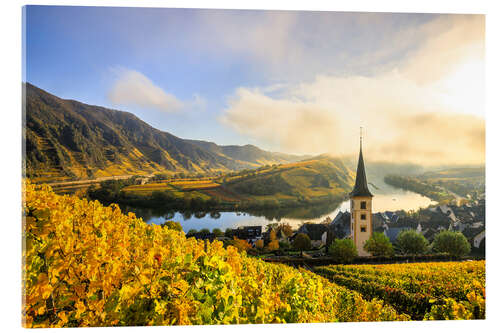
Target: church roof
<point>361,186</point>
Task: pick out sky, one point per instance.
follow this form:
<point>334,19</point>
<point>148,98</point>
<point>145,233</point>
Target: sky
<point>295,82</point>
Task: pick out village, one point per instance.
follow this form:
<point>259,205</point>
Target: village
<point>466,217</point>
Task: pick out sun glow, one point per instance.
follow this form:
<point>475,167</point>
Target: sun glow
<point>463,90</point>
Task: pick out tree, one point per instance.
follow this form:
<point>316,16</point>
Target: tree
<point>172,225</point>
<point>205,231</point>
<point>217,232</point>
<point>272,235</point>
<point>259,244</point>
<point>343,250</point>
<point>191,232</point>
<point>301,242</point>
<point>240,244</point>
<point>284,245</point>
<point>379,245</point>
<point>286,228</point>
<point>273,245</point>
<point>451,242</point>
<point>411,242</point>
<point>228,233</point>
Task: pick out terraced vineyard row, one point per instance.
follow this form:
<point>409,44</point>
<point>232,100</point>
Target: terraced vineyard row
<point>451,290</point>
<point>89,265</point>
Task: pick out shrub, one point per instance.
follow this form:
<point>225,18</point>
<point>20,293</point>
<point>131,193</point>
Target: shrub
<point>284,245</point>
<point>301,242</point>
<point>273,245</point>
<point>241,244</point>
<point>217,232</point>
<point>411,242</point>
<point>379,245</point>
<point>286,228</point>
<point>343,250</point>
<point>451,242</point>
<point>205,231</point>
<point>191,232</point>
<point>172,225</point>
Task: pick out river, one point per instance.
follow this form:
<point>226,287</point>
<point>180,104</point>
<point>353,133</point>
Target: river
<point>386,198</point>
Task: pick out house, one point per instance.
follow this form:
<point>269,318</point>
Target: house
<point>393,218</point>
<point>393,232</point>
<point>248,232</point>
<point>477,224</point>
<point>479,238</point>
<point>282,237</point>
<point>433,209</point>
<point>379,220</point>
<point>448,212</point>
<point>317,233</point>
<point>340,227</point>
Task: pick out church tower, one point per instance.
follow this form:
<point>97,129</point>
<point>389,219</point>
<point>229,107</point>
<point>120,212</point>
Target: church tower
<point>361,207</point>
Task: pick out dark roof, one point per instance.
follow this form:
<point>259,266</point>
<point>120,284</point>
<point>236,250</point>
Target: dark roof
<point>341,225</point>
<point>313,230</point>
<point>248,232</point>
<point>392,233</point>
<point>361,186</point>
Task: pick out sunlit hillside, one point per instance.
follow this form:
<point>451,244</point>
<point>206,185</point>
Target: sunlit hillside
<point>90,265</point>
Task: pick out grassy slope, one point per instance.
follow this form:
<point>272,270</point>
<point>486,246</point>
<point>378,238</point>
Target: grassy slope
<point>66,139</point>
<point>318,180</point>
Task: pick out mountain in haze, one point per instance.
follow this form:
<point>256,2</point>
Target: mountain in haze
<point>69,139</point>
<point>248,153</point>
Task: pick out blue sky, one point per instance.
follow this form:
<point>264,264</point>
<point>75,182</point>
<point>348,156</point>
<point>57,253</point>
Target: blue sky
<point>279,79</point>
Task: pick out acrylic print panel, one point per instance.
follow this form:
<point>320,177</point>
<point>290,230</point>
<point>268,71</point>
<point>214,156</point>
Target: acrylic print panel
<point>202,166</point>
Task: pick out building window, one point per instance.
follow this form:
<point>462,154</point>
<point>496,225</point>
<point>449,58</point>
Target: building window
<point>363,229</point>
<point>363,216</point>
<point>363,204</point>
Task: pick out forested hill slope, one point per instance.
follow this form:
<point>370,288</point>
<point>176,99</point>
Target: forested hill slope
<point>248,153</point>
<point>69,139</point>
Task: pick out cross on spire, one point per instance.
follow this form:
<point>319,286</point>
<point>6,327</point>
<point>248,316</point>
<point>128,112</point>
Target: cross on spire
<point>360,136</point>
<point>361,186</point>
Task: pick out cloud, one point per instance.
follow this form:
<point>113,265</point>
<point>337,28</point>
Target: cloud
<point>452,40</point>
<point>134,89</point>
<point>426,109</point>
<point>292,45</point>
<point>281,123</point>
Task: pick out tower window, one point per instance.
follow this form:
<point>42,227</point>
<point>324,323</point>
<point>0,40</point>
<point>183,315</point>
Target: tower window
<point>363,216</point>
<point>363,229</point>
<point>363,204</point>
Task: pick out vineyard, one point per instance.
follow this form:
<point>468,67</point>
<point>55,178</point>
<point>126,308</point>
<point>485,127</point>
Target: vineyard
<point>448,290</point>
<point>90,265</point>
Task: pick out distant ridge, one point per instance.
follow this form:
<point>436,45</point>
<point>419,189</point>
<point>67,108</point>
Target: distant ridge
<point>67,139</point>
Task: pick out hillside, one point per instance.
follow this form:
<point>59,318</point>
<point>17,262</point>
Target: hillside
<point>444,185</point>
<point>248,153</point>
<point>316,181</point>
<point>66,139</point>
<point>90,265</point>
<point>303,181</point>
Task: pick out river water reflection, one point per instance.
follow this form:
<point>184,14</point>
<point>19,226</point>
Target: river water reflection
<point>386,198</point>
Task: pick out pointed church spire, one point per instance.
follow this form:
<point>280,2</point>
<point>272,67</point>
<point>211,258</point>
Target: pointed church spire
<point>361,186</point>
